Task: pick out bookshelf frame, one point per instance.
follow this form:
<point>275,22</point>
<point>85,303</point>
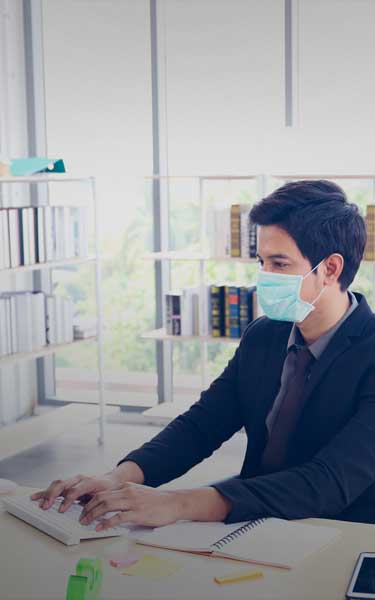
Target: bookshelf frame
<point>202,256</point>
<point>94,259</point>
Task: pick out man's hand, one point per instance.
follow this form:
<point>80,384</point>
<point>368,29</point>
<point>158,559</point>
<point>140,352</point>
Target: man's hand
<point>143,505</point>
<point>82,487</point>
<point>72,489</point>
<point>137,504</point>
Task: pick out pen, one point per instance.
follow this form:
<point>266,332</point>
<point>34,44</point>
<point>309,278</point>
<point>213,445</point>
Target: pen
<point>243,576</point>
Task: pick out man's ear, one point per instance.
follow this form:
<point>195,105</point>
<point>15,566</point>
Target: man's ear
<point>333,265</point>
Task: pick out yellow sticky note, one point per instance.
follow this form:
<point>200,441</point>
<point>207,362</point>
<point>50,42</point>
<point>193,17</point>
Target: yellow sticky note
<point>241,576</point>
<point>151,567</point>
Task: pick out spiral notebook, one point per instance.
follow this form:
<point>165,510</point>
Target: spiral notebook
<point>273,542</point>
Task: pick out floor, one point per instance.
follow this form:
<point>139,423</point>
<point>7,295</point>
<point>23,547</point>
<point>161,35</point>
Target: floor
<point>77,451</point>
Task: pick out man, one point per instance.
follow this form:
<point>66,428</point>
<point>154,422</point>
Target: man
<point>301,383</point>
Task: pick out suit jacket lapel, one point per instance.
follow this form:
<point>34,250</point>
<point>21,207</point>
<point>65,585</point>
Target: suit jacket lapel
<point>341,341</point>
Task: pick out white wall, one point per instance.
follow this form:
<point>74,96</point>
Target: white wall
<point>225,87</point>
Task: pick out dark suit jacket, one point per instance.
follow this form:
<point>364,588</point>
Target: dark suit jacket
<point>330,465</point>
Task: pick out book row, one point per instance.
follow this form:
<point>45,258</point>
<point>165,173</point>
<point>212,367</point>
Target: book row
<point>34,235</point>
<point>31,320</point>
<point>226,311</point>
<point>231,232</point>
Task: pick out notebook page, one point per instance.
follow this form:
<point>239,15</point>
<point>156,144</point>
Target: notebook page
<point>187,535</point>
<point>276,541</point>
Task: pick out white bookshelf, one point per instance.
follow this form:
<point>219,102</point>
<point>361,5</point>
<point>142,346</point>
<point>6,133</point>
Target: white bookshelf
<point>56,264</point>
<point>160,335</point>
<point>94,259</point>
<point>175,255</point>
<point>202,256</point>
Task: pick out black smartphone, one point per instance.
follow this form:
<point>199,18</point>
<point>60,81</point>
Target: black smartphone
<point>362,583</point>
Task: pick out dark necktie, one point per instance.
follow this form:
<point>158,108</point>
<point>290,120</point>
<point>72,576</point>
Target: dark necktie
<point>274,453</point>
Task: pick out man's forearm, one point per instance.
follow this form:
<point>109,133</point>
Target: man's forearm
<point>203,504</point>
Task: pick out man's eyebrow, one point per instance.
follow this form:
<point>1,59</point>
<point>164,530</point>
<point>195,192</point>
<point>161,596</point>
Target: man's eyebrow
<point>275,256</point>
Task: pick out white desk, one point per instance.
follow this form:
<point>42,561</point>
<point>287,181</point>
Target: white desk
<point>34,566</point>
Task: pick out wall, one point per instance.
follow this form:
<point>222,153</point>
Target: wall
<point>225,87</point>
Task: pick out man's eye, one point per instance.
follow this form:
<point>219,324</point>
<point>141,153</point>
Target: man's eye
<point>279,265</point>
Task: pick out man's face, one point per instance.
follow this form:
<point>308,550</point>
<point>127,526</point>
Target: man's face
<point>278,253</point>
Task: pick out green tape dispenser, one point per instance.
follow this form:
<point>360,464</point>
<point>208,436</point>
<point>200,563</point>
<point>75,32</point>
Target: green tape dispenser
<point>86,583</point>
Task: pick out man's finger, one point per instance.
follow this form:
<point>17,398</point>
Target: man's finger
<point>48,496</point>
<point>38,495</point>
<point>115,495</point>
<point>102,508</point>
<point>128,516</point>
<point>57,488</point>
<point>74,493</point>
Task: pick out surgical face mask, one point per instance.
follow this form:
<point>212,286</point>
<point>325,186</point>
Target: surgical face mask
<point>279,296</point>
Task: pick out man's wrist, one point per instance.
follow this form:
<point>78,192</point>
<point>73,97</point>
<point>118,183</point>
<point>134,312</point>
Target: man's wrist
<point>203,504</point>
<point>127,471</point>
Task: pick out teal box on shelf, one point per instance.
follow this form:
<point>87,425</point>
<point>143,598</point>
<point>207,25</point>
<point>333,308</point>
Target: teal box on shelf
<point>23,167</point>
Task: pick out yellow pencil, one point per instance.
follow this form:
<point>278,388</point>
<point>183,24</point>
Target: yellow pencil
<point>234,577</point>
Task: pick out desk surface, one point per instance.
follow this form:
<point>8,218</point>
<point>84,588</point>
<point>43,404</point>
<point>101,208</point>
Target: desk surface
<point>34,566</point>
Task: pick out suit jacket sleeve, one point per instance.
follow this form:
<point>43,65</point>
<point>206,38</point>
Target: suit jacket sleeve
<point>193,436</point>
<point>322,487</point>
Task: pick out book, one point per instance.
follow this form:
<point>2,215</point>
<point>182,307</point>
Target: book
<point>40,249</point>
<point>235,230</point>
<point>252,240</point>
<point>269,541</point>
<point>23,319</point>
<point>5,239</point>
<point>234,312</point>
<point>226,310</point>
<point>217,310</point>
<point>48,234</point>
<point>244,226</point>
<point>31,235</point>
<point>14,235</point>
<point>370,229</point>
<point>173,313</point>
<point>245,316</point>
<point>23,236</point>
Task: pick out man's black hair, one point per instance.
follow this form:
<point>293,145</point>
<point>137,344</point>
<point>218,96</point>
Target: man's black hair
<point>321,221</point>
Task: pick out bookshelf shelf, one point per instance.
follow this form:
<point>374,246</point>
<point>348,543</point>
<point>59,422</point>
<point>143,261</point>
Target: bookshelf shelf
<point>175,255</point>
<point>43,201</point>
<point>57,264</point>
<point>45,179</point>
<point>161,335</point>
<point>10,359</point>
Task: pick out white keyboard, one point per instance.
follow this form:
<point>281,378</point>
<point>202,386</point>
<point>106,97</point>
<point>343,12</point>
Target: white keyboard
<point>62,526</point>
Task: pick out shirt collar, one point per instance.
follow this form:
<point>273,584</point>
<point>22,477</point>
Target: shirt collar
<point>317,347</point>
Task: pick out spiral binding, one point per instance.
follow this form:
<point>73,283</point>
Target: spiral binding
<point>237,533</point>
